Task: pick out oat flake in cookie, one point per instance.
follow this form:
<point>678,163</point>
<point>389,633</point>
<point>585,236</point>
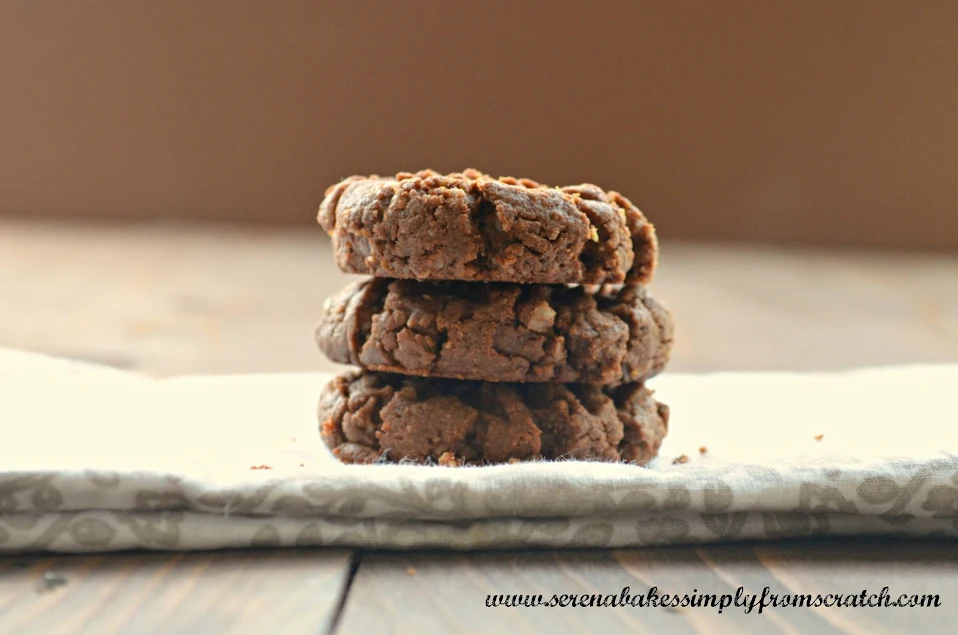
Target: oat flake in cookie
<point>472,227</point>
<point>366,417</point>
<point>498,331</point>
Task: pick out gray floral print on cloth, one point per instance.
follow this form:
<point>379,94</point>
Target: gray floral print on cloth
<point>176,471</point>
<point>548,504</point>
<point>101,531</point>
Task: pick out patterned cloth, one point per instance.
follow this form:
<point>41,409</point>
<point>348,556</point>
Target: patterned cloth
<point>94,459</point>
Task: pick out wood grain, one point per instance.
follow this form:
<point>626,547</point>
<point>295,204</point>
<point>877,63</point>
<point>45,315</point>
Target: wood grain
<point>442,593</point>
<point>237,592</point>
<point>173,299</point>
<point>170,299</point>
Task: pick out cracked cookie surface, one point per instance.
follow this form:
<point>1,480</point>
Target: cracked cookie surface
<point>367,417</point>
<point>498,331</point>
<point>472,227</point>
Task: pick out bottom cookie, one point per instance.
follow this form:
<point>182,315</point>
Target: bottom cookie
<point>367,417</point>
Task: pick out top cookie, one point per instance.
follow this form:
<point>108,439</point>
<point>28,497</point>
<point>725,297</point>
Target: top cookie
<point>472,227</point>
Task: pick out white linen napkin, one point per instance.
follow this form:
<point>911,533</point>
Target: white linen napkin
<point>94,459</point>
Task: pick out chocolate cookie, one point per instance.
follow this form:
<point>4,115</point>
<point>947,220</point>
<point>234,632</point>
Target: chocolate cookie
<point>469,226</point>
<point>367,417</point>
<point>497,331</point>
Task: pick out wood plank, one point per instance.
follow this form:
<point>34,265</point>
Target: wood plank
<point>169,299</point>
<point>749,308</point>
<point>424,593</point>
<point>172,299</point>
<point>853,566</point>
<point>236,592</point>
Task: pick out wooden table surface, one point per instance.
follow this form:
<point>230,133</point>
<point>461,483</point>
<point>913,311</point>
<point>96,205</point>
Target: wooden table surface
<point>168,300</point>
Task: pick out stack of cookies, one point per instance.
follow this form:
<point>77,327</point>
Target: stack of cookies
<point>505,321</point>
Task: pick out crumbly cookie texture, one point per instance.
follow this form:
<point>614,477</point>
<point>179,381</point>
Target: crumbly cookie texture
<point>368,417</point>
<point>498,331</point>
<point>472,227</point>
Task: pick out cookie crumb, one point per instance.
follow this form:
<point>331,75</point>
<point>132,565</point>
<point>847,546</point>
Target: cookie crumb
<point>681,459</point>
<point>302,465</point>
<point>410,571</point>
<point>703,449</point>
<point>293,439</point>
<point>260,467</point>
<point>448,459</point>
<point>50,581</point>
<point>819,437</point>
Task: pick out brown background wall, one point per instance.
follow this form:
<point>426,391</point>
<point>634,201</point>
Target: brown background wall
<point>785,121</point>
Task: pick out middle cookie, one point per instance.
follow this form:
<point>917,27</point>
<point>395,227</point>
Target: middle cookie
<point>497,331</point>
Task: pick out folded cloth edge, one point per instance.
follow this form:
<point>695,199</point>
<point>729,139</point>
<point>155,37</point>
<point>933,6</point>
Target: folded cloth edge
<point>889,488</point>
<point>97,531</point>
